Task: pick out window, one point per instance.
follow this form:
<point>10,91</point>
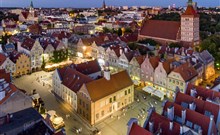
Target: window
<point>189,124</point>
<point>129,91</point>
<point>125,92</point>
<point>87,107</point>
<point>97,116</point>
<point>114,98</point>
<point>103,113</point>
<point>110,100</point>
<point>110,109</point>
<point>80,101</point>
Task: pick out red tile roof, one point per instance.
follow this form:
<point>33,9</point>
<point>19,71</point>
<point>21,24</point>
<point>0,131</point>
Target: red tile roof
<point>163,123</point>
<point>202,92</point>
<point>186,71</point>
<point>154,61</point>
<point>28,43</point>
<point>8,94</point>
<point>161,29</point>
<point>73,79</point>
<point>88,67</point>
<point>105,87</point>
<point>201,106</point>
<point>2,58</point>
<point>4,75</point>
<point>190,11</point>
<point>137,130</point>
<point>194,117</point>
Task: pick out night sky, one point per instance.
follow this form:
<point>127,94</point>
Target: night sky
<point>98,3</point>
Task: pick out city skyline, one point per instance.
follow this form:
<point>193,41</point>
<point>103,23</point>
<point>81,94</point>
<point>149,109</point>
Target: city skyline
<point>98,3</point>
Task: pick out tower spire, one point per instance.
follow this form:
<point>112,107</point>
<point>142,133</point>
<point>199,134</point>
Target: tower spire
<point>103,5</point>
<point>32,5</point>
<point>190,2</point>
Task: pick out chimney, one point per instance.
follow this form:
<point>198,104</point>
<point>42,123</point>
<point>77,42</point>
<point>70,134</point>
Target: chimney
<point>171,125</point>
<point>151,126</point>
<point>192,106</point>
<point>200,132</point>
<point>193,92</point>
<point>126,49</point>
<point>121,51</point>
<point>170,112</point>
<point>107,73</point>
<point>7,118</point>
<point>181,130</point>
<point>183,116</point>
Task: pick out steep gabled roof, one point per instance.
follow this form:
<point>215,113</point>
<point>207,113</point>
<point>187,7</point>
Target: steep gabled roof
<point>201,105</point>
<point>138,130</point>
<point>161,122</point>
<point>161,29</point>
<point>88,67</point>
<point>202,92</point>
<point>28,43</point>
<point>2,58</point>
<point>73,79</point>
<point>186,71</point>
<point>101,88</point>
<point>192,116</point>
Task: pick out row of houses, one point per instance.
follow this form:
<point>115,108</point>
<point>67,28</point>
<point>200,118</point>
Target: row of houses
<point>168,69</point>
<point>194,112</point>
<point>77,85</point>
<point>29,53</point>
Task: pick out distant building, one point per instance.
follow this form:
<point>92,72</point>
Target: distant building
<point>29,16</point>
<point>186,32</point>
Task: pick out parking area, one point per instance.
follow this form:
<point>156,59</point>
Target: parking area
<point>114,125</point>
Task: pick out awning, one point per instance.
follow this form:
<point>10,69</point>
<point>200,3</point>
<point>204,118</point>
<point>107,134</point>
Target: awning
<point>51,113</point>
<point>148,89</point>
<point>57,120</point>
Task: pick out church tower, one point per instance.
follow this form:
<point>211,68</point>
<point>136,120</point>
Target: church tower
<point>31,10</point>
<point>103,5</point>
<point>190,25</point>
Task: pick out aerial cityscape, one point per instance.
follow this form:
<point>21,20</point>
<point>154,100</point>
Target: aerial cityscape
<point>107,67</point>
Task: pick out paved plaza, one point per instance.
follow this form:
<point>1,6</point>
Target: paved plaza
<point>114,125</point>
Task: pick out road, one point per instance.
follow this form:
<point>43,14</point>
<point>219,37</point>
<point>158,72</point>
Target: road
<point>115,125</point>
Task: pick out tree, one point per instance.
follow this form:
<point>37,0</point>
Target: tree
<point>148,41</point>
<point>174,45</point>
<point>106,30</point>
<point>119,32</point>
<point>128,30</point>
<point>43,63</point>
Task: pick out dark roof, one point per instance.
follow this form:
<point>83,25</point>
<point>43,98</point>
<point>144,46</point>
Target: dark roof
<point>206,57</point>
<point>201,106</point>
<point>105,87</point>
<point>74,79</point>
<point>161,29</point>
<point>192,116</point>
<point>186,71</point>
<point>20,118</point>
<point>28,43</point>
<point>2,58</point>
<point>202,92</point>
<point>88,67</point>
<point>161,122</point>
<point>138,130</point>
<point>4,75</point>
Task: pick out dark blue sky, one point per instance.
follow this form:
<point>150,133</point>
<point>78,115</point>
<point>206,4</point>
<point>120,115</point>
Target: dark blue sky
<point>98,3</point>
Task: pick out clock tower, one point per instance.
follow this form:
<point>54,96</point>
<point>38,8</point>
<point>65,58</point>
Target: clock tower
<point>190,25</point>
